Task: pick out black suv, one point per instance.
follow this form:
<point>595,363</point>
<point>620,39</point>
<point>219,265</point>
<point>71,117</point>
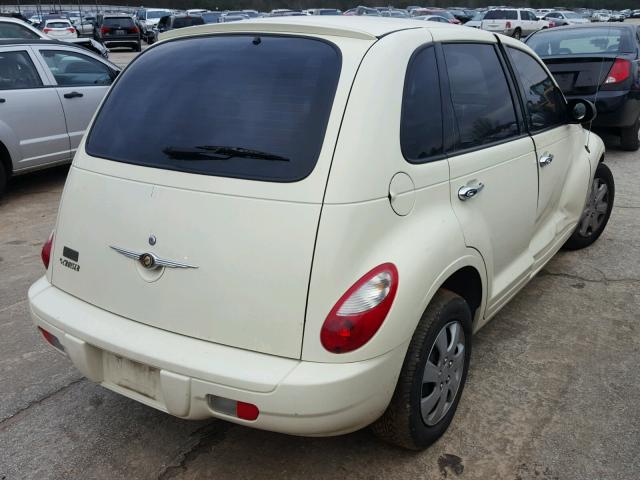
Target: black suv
<point>171,22</point>
<point>118,31</point>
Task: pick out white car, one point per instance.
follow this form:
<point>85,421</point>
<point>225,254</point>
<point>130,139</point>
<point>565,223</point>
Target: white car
<point>59,29</point>
<point>562,18</point>
<point>294,257</point>
<point>514,22</point>
<point>601,16</point>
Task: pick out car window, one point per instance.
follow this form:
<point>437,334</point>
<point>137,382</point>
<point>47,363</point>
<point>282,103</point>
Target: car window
<point>13,30</point>
<point>58,24</point>
<point>421,120</point>
<point>586,40</point>
<point>18,71</point>
<point>544,103</point>
<point>501,15</point>
<point>118,22</point>
<point>482,103</point>
<point>181,22</point>
<point>75,69</point>
<point>230,105</point>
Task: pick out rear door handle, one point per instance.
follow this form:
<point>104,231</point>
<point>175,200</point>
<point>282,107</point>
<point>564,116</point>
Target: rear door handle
<point>2,100</point>
<point>72,95</point>
<point>545,159</point>
<point>469,191</point>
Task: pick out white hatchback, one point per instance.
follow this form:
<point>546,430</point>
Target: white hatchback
<point>302,225</point>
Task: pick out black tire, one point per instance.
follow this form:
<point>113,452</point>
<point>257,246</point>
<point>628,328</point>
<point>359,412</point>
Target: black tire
<point>3,179</point>
<point>629,137</point>
<point>138,47</point>
<point>581,237</point>
<point>402,423</point>
<point>517,34</point>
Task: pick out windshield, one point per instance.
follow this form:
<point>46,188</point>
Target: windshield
<point>158,13</point>
<point>478,16</point>
<point>581,41</point>
<point>230,105</point>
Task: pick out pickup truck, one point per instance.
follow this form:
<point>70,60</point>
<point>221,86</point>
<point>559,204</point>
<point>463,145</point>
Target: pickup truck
<point>514,22</point>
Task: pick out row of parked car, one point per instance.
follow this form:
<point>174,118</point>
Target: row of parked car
<point>588,60</point>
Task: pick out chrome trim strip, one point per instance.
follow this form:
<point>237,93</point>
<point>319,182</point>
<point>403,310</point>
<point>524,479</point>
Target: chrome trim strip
<point>158,262</point>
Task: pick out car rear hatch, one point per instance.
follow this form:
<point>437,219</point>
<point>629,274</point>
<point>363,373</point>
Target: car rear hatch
<point>580,75</point>
<point>581,58</point>
<point>217,171</point>
<point>119,27</point>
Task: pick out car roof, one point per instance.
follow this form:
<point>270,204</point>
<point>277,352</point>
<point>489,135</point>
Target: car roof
<point>18,41</point>
<point>607,26</point>
<point>362,27</point>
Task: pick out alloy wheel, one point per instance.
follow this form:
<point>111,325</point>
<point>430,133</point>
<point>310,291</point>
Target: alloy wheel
<point>443,373</point>
<point>596,210</point>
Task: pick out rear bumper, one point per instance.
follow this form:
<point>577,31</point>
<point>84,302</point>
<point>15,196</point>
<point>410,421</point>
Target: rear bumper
<point>615,109</point>
<point>293,396</point>
<point>119,41</point>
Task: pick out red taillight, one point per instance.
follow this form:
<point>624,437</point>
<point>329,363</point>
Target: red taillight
<point>620,71</point>
<point>134,30</point>
<point>104,29</point>
<point>46,251</point>
<point>71,29</point>
<point>508,25</point>
<point>46,30</point>
<point>359,313</point>
<point>552,24</point>
<point>247,411</point>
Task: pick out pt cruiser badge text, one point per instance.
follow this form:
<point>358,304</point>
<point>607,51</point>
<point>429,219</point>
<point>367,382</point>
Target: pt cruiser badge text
<point>69,264</point>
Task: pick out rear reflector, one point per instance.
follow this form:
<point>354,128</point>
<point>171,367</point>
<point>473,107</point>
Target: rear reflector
<point>247,411</point>
<point>233,408</point>
<point>51,339</point>
<point>620,71</point>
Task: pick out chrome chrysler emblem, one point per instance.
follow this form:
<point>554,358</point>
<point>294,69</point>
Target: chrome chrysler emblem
<point>149,260</point>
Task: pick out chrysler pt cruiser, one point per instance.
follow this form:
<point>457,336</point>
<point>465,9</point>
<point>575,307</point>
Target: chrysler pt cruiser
<point>302,225</point>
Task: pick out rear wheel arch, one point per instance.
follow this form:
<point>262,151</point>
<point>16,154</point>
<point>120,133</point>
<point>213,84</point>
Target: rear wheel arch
<point>467,283</point>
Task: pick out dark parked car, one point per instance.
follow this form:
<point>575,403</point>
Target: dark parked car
<point>599,63</point>
<point>118,31</point>
<point>211,17</point>
<point>171,22</point>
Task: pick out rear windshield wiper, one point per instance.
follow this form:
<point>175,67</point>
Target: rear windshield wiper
<point>219,152</point>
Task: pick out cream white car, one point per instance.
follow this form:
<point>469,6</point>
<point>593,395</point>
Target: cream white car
<point>300,228</point>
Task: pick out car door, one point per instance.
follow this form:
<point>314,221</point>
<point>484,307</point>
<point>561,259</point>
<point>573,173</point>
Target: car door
<point>31,115</point>
<point>493,177</point>
<point>529,22</point>
<point>557,144</point>
<point>81,82</point>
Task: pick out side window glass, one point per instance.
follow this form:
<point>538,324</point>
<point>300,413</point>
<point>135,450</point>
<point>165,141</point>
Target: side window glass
<point>18,71</point>
<point>74,69</point>
<point>421,120</point>
<point>482,103</point>
<point>13,30</point>
<point>544,102</point>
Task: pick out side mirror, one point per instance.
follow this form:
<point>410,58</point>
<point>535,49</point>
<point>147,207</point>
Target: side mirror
<point>581,111</point>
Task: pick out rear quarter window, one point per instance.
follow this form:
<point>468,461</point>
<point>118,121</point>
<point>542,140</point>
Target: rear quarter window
<point>228,105</point>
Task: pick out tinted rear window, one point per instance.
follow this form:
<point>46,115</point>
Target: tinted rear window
<point>268,94</point>
<point>58,24</point>
<point>582,40</point>
<point>187,22</point>
<point>118,22</point>
<point>501,15</point>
